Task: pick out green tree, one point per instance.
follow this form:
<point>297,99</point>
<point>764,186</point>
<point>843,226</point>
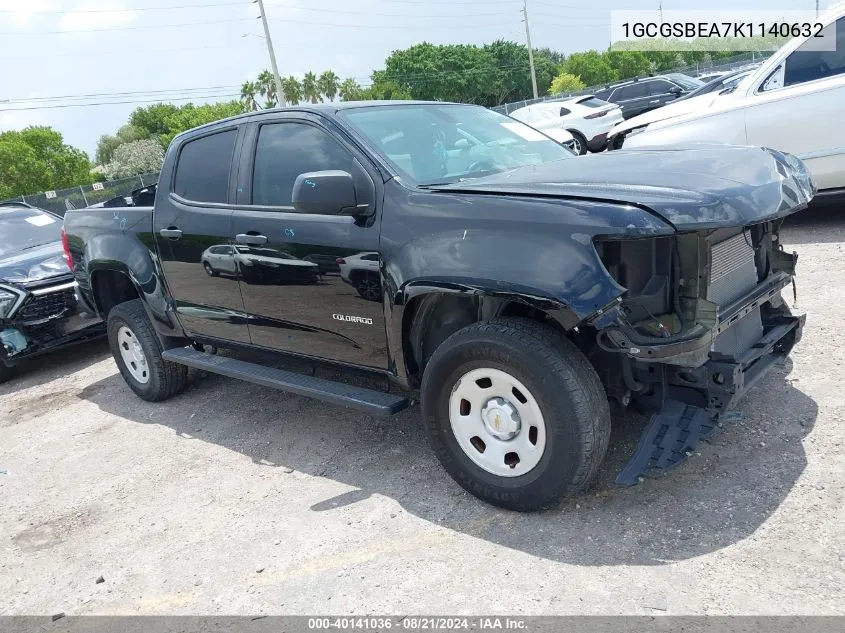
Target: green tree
<point>108,143</point>
<point>267,85</point>
<point>136,157</point>
<point>512,72</point>
<point>310,89</point>
<point>565,82</point>
<point>591,67</point>
<point>37,159</point>
<point>292,90</point>
<point>350,90</point>
<point>329,84</point>
<point>384,88</point>
<point>628,64</point>
<point>249,90</point>
<point>163,121</point>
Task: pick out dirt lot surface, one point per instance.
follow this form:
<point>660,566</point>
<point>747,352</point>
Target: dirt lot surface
<point>233,499</point>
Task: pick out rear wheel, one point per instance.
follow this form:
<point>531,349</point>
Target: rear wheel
<point>369,287</point>
<point>579,142</point>
<point>515,413</point>
<point>137,352</point>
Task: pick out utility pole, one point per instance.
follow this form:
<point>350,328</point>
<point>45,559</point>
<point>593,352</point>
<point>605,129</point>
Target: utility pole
<point>817,9</point>
<point>530,52</point>
<point>280,99</point>
<point>661,12</point>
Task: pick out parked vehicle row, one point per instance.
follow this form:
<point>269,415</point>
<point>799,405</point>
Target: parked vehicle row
<point>793,102</point>
<point>512,287</point>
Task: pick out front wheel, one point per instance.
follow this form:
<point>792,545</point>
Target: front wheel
<point>515,413</point>
<point>209,270</point>
<point>137,352</point>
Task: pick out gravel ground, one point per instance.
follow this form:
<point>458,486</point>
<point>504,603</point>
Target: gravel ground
<point>233,499</point>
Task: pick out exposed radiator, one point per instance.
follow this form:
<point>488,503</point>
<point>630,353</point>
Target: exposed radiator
<point>732,274</point>
<point>732,269</point>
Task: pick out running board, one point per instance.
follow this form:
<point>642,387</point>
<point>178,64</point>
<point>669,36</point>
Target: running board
<point>338,393</point>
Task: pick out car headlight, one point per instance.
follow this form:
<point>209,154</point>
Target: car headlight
<point>10,299</point>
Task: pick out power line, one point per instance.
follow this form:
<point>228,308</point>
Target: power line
<point>106,103</point>
<point>168,8</point>
<point>128,28</point>
<point>386,15</point>
<point>390,26</point>
<point>114,94</point>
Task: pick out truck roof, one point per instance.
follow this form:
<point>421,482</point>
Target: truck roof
<point>326,109</point>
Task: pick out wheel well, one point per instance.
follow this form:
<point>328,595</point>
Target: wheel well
<point>111,288</point>
<point>431,319</point>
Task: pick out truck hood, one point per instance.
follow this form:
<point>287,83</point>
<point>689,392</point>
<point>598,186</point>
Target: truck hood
<point>34,264</point>
<point>692,187</point>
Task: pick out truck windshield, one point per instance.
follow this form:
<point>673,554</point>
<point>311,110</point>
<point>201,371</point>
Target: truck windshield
<point>21,229</point>
<point>428,144</point>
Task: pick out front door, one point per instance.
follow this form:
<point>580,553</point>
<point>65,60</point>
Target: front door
<point>193,232</point>
<point>799,107</point>
<point>306,284</point>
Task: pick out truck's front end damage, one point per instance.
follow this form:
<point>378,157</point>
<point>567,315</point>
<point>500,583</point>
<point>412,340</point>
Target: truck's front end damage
<point>701,321</point>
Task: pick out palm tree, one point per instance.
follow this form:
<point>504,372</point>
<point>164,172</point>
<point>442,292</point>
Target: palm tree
<point>267,86</point>
<point>349,90</point>
<point>248,91</point>
<point>291,90</point>
<point>310,91</point>
<point>329,84</point>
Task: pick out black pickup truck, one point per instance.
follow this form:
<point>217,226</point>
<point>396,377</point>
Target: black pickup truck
<point>513,287</point>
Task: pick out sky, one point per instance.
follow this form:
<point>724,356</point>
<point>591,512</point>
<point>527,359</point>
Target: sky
<point>59,53</point>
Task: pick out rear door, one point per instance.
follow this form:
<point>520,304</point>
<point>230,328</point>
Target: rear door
<point>293,306</point>
<point>799,108</point>
<point>192,225</point>
<point>632,98</point>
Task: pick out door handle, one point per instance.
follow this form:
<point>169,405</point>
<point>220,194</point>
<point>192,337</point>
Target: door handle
<point>171,233</point>
<point>251,239</point>
<point>654,102</point>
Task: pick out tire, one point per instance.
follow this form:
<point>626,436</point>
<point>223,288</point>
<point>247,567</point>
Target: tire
<point>150,377</point>
<point>580,142</point>
<point>209,270</point>
<point>572,431</point>
<point>368,286</point>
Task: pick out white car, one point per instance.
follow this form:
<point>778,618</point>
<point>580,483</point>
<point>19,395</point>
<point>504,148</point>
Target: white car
<point>362,271</point>
<point>695,101</point>
<point>587,118</point>
<point>257,265</point>
<point>794,102</point>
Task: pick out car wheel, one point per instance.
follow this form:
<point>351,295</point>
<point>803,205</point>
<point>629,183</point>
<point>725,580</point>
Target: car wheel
<point>579,142</point>
<point>369,288</point>
<point>515,413</point>
<point>209,270</point>
<point>137,352</point>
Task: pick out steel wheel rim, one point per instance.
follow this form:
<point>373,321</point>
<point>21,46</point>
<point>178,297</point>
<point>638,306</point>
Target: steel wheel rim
<point>133,355</point>
<point>497,422</point>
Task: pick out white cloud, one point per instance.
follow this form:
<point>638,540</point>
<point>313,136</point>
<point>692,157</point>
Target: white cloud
<point>97,14</point>
<point>19,13</point>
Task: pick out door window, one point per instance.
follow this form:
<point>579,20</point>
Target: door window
<point>805,65</point>
<point>633,91</point>
<point>286,150</point>
<point>659,87</point>
<point>202,173</point>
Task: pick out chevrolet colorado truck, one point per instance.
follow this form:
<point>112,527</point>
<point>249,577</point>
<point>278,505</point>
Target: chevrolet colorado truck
<point>519,289</point>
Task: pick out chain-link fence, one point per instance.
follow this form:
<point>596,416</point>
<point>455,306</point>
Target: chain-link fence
<point>700,68</point>
<point>63,200</point>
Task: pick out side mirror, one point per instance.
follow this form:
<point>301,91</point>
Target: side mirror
<point>330,192</point>
<point>675,90</point>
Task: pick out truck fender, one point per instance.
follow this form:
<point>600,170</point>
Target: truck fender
<point>135,260</point>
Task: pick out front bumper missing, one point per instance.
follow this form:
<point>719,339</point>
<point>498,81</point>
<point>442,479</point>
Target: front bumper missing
<point>694,402</point>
